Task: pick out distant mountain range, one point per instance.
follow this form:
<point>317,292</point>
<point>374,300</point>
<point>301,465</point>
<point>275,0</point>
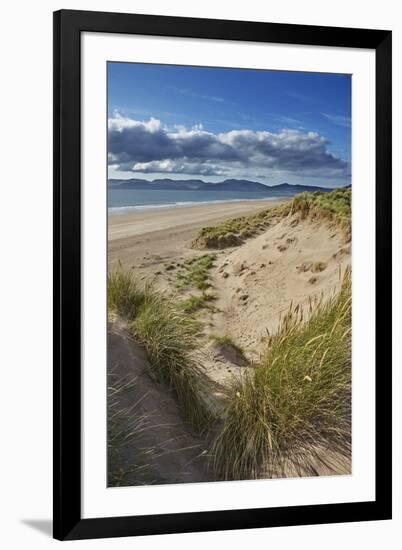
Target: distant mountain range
<point>283,189</point>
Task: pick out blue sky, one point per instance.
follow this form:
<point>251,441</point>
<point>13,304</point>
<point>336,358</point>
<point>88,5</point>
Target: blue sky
<point>214,123</point>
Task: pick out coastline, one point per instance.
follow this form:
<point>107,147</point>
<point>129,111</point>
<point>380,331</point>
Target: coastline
<point>147,219</point>
<point>284,263</point>
<point>152,207</point>
<point>168,232</point>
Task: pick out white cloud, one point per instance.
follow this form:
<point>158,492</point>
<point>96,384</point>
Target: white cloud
<point>179,167</point>
<point>148,146</point>
<point>119,123</point>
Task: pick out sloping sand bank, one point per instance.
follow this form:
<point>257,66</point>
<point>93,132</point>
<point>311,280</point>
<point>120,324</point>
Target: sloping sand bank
<point>155,235</point>
<point>294,262</point>
<point>172,451</point>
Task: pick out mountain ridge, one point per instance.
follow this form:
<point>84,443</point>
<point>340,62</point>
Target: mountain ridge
<point>239,185</point>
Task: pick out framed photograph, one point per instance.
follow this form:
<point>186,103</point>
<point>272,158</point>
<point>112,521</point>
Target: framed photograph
<point>222,274</point>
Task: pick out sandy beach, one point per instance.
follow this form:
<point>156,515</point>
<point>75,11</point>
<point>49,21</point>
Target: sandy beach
<point>293,262</point>
<point>229,287</point>
<point>154,235</point>
<point>239,292</point>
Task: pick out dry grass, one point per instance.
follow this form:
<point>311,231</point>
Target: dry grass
<point>169,336</point>
<point>297,399</point>
<point>334,206</point>
<point>235,231</point>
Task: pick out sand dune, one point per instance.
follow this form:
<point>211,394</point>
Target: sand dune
<point>255,283</point>
<point>294,261</point>
<point>175,453</point>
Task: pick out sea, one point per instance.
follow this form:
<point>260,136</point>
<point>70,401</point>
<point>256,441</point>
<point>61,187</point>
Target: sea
<point>122,201</point>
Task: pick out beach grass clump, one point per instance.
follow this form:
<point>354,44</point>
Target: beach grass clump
<point>169,336</point>
<point>127,429</point>
<point>124,294</point>
<point>195,303</point>
<point>296,404</point>
<point>195,272</point>
<point>234,231</point>
<point>334,205</point>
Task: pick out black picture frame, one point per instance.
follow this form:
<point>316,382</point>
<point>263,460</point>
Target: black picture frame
<point>68,26</point>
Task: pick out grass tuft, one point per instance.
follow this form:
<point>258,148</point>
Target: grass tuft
<point>297,400</point>
<point>124,294</point>
<point>235,231</point>
<point>169,336</point>
<point>195,272</point>
<point>195,303</point>
<point>335,206</point>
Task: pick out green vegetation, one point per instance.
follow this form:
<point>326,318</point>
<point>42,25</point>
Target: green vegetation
<point>195,272</point>
<point>195,303</point>
<point>234,231</point>
<point>296,401</point>
<point>126,431</point>
<point>335,206</point>
<point>290,409</point>
<point>169,337</point>
<point>124,295</point>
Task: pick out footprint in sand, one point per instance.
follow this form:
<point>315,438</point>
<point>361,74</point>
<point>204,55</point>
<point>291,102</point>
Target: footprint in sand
<point>304,267</point>
<point>318,267</point>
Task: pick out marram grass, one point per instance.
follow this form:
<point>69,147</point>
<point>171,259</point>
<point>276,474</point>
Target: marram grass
<point>334,206</point>
<point>169,336</point>
<point>297,401</point>
<point>195,272</point>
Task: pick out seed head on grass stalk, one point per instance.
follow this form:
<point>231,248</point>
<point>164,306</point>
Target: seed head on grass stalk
<point>124,293</point>
<point>297,402</point>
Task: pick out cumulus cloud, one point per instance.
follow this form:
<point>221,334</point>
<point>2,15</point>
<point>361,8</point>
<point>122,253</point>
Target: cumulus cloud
<point>149,147</point>
<point>169,166</point>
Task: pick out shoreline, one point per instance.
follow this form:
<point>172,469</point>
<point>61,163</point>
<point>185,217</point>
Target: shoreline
<point>122,210</point>
<point>252,304</point>
<point>136,222</point>
<point>168,232</point>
